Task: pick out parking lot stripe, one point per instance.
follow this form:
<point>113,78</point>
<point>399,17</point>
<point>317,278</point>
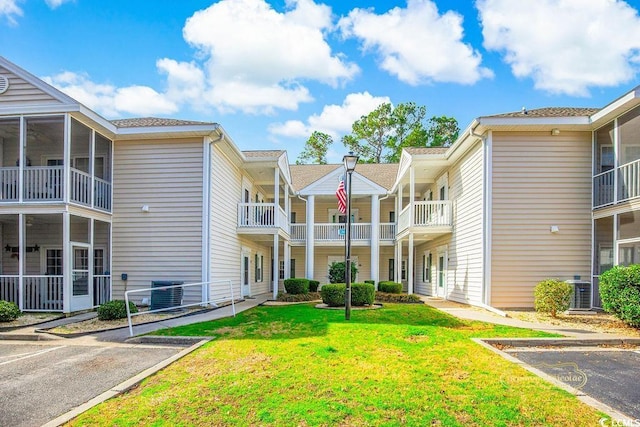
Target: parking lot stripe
<point>28,355</point>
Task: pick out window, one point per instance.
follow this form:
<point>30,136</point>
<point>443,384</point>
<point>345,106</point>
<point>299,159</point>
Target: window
<point>292,273</point>
<point>404,270</point>
<point>443,193</point>
<point>392,216</point>
<point>281,273</point>
<point>392,267</point>
<point>98,262</point>
<point>259,264</point>
<point>292,217</point>
<point>54,262</point>
<point>427,260</point>
<point>428,196</point>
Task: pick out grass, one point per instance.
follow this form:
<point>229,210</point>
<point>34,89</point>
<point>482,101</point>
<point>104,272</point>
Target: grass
<point>297,365</point>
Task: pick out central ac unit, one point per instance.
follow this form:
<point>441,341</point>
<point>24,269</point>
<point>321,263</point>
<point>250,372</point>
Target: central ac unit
<point>581,298</point>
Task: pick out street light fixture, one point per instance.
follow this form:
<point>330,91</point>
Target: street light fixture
<point>350,161</point>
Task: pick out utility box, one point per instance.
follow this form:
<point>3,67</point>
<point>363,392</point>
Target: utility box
<point>165,298</point>
<point>581,297</point>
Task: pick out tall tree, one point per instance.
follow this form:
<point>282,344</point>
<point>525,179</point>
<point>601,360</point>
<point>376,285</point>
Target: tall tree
<point>443,131</point>
<point>380,136</point>
<point>315,149</point>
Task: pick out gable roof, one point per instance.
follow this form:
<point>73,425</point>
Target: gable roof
<point>382,174</point>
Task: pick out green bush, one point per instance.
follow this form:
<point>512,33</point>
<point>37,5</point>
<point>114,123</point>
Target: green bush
<point>9,311</point>
<point>390,287</point>
<point>552,296</point>
<point>371,282</point>
<point>362,294</point>
<point>311,296</point>
<point>296,286</point>
<point>313,285</point>
<point>337,272</point>
<point>116,309</point>
<point>620,293</point>
<point>333,294</point>
<point>398,298</point>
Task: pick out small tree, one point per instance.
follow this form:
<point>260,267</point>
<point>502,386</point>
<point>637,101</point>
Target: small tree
<point>338,270</point>
<point>552,296</point>
<point>315,149</point>
<point>620,293</point>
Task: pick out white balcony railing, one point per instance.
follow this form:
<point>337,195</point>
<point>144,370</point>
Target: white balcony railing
<point>388,231</point>
<point>46,184</point>
<point>101,289</point>
<point>298,232</point>
<point>426,214</point>
<point>337,232</point>
<point>629,181</point>
<point>262,215</point>
<point>603,188</point>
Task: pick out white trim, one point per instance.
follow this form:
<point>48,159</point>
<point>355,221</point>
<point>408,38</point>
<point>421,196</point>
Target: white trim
<point>206,218</point>
<point>487,213</point>
<point>426,278</point>
<point>245,252</point>
<point>442,251</point>
<point>443,181</point>
<point>358,181</point>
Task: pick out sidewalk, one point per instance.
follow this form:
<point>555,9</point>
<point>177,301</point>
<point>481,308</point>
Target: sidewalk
<point>468,312</point>
<point>122,334</point>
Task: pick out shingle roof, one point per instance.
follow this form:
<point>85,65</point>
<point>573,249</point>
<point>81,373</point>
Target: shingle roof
<point>155,122</point>
<point>263,153</point>
<point>426,150</point>
<point>550,112</point>
<point>382,174</point>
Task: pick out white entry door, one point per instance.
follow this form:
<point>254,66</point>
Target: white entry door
<point>441,280</point>
<point>81,289</point>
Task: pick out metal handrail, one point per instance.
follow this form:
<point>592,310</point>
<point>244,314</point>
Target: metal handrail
<point>159,288</point>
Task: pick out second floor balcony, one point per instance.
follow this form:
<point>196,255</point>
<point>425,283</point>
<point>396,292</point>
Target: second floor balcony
<point>610,187</point>
<point>335,233</point>
<point>261,218</point>
<point>426,217</point>
<point>47,184</point>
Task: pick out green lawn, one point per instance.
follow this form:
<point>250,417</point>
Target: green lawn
<point>297,365</point>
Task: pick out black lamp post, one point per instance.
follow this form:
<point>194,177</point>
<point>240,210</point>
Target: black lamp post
<point>350,160</point>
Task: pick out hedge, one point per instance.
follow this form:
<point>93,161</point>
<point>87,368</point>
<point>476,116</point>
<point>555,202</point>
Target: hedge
<point>552,296</point>
<point>337,272</point>
<point>296,286</point>
<point>116,309</point>
<point>390,287</point>
<point>9,311</point>
<point>620,293</point>
<point>398,298</point>
<point>313,285</point>
<point>361,294</point>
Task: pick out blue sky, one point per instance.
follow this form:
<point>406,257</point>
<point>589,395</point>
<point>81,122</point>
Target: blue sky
<point>271,72</point>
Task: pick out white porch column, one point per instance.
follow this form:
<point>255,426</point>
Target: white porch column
<point>66,262</point>
<point>287,259</point>
<point>309,255</point>
<point>410,266</point>
<point>276,196</point>
<point>375,239</point>
<point>399,202</point>
<point>412,195</point>
<point>21,260</point>
<point>287,203</point>
<point>398,260</point>
<point>276,265</point>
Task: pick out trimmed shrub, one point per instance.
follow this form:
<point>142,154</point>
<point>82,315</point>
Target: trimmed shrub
<point>311,296</point>
<point>398,298</point>
<point>296,286</point>
<point>116,309</point>
<point>9,311</point>
<point>338,270</point>
<point>390,287</point>
<point>333,294</point>
<point>371,282</point>
<point>362,294</point>
<point>552,296</point>
<point>620,293</point>
<point>313,285</point>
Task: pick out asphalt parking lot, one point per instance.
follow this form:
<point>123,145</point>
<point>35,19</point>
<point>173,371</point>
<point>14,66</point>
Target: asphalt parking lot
<point>40,381</point>
<point>612,377</point>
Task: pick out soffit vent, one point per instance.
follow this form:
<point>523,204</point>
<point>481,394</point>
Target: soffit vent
<point>4,84</point>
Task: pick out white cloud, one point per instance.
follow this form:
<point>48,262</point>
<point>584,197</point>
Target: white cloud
<point>335,120</point>
<point>10,10</point>
<point>256,58</point>
<point>109,100</point>
<point>417,44</point>
<point>53,4</point>
<point>565,46</point>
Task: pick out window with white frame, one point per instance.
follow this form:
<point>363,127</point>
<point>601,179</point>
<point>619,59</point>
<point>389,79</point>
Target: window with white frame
<point>443,187</point>
<point>427,261</point>
<point>259,267</point>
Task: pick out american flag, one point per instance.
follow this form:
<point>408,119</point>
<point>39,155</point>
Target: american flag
<point>342,198</point>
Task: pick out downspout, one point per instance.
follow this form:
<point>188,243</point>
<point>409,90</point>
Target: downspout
<point>206,213</point>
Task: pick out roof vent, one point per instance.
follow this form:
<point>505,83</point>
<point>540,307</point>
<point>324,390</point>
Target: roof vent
<point>4,84</point>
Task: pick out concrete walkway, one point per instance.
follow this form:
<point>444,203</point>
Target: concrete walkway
<point>122,334</point>
<point>468,312</point>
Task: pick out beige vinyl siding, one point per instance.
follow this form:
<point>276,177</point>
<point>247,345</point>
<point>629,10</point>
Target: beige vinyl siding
<point>226,193</point>
<point>464,280</point>
<point>298,253</point>
<point>386,253</point>
<point>22,93</point>
<point>538,181</point>
<point>423,287</point>
<point>253,249</point>
<point>325,205</point>
<point>166,242</point>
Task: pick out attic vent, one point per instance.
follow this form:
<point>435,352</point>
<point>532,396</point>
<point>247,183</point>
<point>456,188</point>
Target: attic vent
<point>4,84</point>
